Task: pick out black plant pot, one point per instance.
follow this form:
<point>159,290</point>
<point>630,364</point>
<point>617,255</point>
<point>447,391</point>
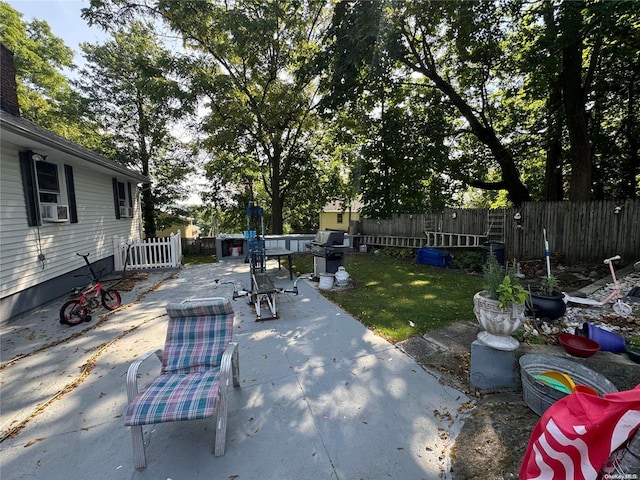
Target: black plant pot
<point>544,305</point>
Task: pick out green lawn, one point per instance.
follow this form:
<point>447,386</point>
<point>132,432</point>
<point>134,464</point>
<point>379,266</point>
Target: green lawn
<point>198,259</point>
<point>389,293</point>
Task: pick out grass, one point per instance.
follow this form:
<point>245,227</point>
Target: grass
<point>198,259</point>
<point>389,293</point>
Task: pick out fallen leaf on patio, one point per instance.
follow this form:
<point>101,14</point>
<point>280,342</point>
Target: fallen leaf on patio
<point>314,454</point>
<point>399,448</point>
<point>233,477</point>
<point>118,416</point>
<point>31,442</point>
<point>102,394</point>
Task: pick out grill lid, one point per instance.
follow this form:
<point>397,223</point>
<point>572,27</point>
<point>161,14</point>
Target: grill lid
<point>329,237</point>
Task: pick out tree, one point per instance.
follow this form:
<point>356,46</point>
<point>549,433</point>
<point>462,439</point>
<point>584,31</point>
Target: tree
<point>132,93</point>
<point>253,73</point>
<point>527,80</point>
<point>44,92</point>
<point>437,41</point>
<point>578,60</point>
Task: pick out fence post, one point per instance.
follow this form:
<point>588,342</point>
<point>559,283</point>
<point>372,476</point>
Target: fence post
<point>117,254</point>
<point>178,250</point>
<point>172,249</point>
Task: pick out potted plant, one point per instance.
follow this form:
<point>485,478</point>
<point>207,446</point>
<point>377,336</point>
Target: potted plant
<point>500,307</point>
<point>633,348</point>
<point>547,301</point>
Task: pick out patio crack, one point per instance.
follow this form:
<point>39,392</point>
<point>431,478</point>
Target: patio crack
<point>85,370</point>
<point>103,318</point>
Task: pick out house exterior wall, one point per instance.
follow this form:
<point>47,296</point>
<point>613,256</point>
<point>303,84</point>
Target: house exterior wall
<point>37,263</point>
<point>329,220</point>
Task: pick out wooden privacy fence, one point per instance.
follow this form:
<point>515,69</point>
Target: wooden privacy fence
<point>147,254</point>
<point>582,231</point>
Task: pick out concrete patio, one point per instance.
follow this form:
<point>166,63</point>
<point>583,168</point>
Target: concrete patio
<point>321,397</point>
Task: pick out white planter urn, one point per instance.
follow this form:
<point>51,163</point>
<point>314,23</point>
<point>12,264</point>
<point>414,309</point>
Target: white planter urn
<point>498,323</point>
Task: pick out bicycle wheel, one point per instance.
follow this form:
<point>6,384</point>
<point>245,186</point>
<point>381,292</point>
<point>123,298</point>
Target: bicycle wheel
<point>73,313</point>
<point>111,299</point>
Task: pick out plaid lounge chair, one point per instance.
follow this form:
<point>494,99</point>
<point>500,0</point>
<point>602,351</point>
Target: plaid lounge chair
<point>198,361</point>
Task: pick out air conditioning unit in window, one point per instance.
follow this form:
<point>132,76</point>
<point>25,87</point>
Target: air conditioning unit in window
<point>126,212</point>
<point>52,212</point>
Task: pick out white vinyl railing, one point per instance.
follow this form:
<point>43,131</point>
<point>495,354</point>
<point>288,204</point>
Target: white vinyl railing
<point>147,254</point>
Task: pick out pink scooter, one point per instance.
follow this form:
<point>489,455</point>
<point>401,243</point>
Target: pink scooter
<point>620,307</point>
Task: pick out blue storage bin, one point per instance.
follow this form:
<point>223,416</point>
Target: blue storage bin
<point>433,256</point>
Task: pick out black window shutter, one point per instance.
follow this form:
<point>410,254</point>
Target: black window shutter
<point>71,194</point>
<point>130,197</point>
<point>115,197</point>
<point>28,172</point>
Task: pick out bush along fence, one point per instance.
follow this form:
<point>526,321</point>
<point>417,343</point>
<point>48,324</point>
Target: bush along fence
<point>147,254</point>
<point>582,231</point>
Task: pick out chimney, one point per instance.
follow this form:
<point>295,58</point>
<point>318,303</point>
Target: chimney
<point>8,87</point>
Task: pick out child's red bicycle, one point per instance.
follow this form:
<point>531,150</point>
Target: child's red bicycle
<point>78,310</point>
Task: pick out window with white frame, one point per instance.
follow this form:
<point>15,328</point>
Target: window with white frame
<point>50,194</point>
<point>49,190</point>
<point>48,182</point>
<point>124,200</point>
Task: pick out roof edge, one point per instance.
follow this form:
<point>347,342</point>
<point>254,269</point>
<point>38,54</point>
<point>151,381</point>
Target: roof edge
<point>32,131</point>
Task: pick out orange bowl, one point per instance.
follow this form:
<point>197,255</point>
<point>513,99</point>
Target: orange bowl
<point>585,389</point>
<point>578,346</point>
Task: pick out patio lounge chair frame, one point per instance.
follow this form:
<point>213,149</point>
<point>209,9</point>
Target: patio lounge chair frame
<point>212,311</point>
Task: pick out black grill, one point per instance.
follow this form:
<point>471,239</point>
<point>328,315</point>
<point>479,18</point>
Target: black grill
<point>328,251</point>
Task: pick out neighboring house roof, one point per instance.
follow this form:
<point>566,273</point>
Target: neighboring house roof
<point>337,206</point>
<point>17,130</point>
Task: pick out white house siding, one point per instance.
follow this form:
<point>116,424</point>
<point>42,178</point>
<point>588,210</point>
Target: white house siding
<point>21,245</point>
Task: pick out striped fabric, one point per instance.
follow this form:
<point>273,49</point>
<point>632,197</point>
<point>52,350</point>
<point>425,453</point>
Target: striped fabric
<point>170,398</point>
<point>187,389</point>
<point>197,335</point>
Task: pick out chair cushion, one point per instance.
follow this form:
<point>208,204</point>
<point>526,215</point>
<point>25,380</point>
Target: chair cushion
<point>200,308</point>
<point>175,397</point>
<point>197,335</point>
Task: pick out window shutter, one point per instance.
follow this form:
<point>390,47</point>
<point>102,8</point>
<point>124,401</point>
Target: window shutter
<point>27,170</point>
<point>71,194</point>
<point>130,197</point>
<point>114,181</point>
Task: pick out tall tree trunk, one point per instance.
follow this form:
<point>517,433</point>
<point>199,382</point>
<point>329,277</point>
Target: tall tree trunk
<point>574,98</point>
<point>631,169</point>
<point>553,180</point>
<point>553,174</point>
<point>274,190</point>
<point>149,224</point>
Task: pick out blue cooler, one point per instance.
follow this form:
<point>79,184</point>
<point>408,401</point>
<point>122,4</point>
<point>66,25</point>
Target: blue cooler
<point>433,256</point>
